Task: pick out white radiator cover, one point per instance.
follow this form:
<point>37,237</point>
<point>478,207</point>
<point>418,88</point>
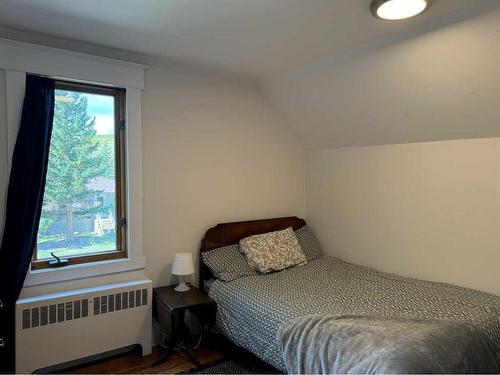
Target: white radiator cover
<point>61,327</point>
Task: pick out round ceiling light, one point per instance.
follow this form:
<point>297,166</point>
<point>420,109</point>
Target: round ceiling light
<point>395,10</point>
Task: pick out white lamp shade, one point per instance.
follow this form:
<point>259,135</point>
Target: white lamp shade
<point>183,264</point>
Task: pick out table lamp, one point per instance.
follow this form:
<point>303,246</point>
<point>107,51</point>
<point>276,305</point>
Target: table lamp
<point>182,266</point>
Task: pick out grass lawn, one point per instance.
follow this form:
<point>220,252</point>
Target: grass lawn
<point>83,244</point>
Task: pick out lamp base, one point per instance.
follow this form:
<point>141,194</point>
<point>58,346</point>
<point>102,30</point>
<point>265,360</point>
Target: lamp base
<point>182,287</point>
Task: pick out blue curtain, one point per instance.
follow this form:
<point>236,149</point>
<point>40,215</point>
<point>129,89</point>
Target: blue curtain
<point>24,204</point>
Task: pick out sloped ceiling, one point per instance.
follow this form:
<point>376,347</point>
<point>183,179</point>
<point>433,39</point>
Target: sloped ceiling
<point>340,77</point>
<point>442,85</point>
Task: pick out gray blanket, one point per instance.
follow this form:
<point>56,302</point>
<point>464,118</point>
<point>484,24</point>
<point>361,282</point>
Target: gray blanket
<point>375,345</point>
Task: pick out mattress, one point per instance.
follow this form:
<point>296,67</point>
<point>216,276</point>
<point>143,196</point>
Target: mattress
<point>250,310</point>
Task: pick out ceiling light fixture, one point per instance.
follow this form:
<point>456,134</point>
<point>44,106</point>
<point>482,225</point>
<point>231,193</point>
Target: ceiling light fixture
<point>396,10</point>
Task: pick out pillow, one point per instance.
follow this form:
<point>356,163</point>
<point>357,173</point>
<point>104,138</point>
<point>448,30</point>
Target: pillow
<point>273,251</point>
<point>308,243</point>
<point>227,263</point>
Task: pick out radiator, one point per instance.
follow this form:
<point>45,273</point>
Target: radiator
<point>62,327</point>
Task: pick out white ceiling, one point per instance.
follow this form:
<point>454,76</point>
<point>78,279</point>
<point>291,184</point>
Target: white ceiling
<point>338,75</point>
<point>252,37</point>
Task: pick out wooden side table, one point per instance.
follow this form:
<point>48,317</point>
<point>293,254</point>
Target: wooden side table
<point>169,308</point>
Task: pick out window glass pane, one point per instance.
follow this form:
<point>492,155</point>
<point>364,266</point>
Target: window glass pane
<point>79,204</point>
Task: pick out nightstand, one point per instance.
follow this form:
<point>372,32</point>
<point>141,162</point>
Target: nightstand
<point>169,308</point>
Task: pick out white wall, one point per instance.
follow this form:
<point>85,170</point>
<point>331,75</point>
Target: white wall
<point>426,210</point>
<point>213,152</point>
<point>429,210</point>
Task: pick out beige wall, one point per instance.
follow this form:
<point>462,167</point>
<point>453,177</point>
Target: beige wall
<point>213,152</point>
<point>426,210</point>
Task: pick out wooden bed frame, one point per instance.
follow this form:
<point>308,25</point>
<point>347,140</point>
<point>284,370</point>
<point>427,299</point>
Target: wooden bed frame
<point>226,234</point>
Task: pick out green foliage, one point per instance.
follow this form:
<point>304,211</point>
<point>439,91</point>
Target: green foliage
<point>44,224</point>
<point>107,143</point>
<point>75,158</point>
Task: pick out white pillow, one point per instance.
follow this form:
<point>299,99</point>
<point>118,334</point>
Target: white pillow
<point>273,251</point>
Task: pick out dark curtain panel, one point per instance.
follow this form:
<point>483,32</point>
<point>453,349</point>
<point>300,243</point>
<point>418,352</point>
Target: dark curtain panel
<point>24,204</point>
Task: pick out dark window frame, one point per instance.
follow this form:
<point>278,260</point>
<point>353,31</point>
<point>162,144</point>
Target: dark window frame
<point>120,177</point>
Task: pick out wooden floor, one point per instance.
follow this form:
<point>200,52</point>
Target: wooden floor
<point>134,362</point>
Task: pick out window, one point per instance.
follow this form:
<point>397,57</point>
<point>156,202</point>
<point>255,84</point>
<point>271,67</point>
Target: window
<point>83,212</point>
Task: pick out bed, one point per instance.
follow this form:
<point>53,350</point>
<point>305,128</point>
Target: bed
<point>252,310</point>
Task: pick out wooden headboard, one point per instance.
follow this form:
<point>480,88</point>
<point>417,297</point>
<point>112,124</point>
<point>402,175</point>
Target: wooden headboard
<point>231,233</point>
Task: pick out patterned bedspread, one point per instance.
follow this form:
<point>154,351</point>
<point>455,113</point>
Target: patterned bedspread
<point>252,309</point>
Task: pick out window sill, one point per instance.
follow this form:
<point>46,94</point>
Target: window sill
<point>82,271</point>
